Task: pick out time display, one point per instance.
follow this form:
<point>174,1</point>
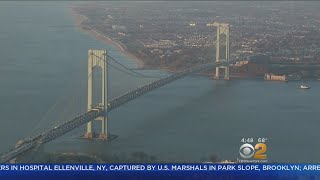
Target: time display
<point>247,140</point>
<point>251,140</point>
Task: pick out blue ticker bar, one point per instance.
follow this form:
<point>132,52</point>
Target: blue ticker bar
<point>159,171</point>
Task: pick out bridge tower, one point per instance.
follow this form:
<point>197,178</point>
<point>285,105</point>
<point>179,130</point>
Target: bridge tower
<point>222,29</point>
<point>98,58</point>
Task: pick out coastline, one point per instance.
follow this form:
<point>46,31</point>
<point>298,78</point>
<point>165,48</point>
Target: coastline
<point>79,19</point>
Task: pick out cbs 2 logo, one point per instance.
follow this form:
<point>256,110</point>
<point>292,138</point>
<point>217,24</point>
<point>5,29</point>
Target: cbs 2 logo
<point>247,151</point>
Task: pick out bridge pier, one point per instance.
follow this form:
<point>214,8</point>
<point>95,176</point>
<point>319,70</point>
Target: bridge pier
<point>104,131</point>
<point>88,135</point>
<point>98,58</point>
<point>226,73</point>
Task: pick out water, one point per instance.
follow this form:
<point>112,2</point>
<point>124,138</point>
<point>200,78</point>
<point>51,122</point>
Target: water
<point>43,72</point>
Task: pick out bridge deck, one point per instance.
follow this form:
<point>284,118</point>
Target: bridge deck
<point>156,84</point>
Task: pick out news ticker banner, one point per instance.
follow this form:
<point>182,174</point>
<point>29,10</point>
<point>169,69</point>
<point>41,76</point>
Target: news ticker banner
<point>159,171</point>
<point>204,167</point>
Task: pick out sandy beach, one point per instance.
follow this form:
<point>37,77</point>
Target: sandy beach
<point>102,37</point>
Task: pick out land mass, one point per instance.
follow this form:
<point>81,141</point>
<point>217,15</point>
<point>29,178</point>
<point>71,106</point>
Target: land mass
<point>174,36</point>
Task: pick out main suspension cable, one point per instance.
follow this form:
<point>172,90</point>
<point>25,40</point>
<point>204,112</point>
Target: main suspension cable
<point>136,74</point>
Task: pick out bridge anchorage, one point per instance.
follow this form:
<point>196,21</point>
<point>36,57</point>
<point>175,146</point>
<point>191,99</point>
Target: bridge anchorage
<point>222,29</point>
<point>98,58</point>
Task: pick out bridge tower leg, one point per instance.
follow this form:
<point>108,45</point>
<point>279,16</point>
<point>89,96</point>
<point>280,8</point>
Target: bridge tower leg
<point>98,58</point>
<point>222,29</point>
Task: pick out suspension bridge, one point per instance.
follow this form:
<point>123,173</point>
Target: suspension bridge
<point>100,58</point>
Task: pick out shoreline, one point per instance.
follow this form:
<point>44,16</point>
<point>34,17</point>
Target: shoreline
<point>79,19</point>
